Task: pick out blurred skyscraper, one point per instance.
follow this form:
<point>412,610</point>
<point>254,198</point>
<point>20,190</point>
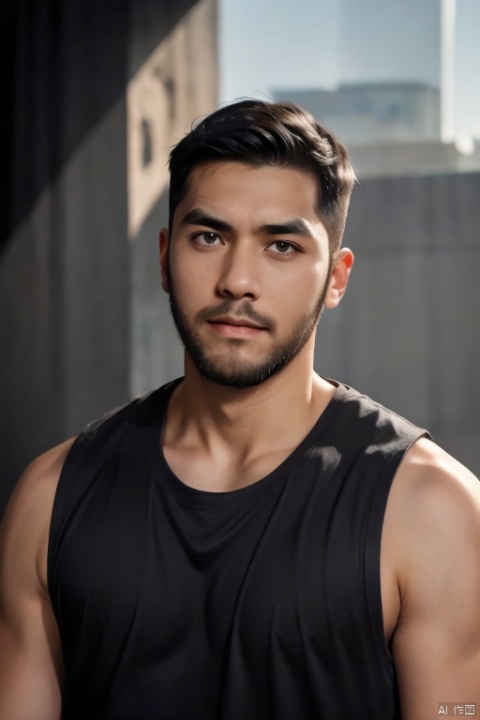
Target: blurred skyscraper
<point>371,113</point>
<point>394,104</point>
<point>394,40</point>
<point>412,42</point>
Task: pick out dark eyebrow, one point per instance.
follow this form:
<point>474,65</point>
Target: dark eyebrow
<point>296,226</point>
<point>200,217</point>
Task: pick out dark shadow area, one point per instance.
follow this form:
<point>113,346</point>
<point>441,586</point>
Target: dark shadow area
<point>65,281</point>
<point>64,64</point>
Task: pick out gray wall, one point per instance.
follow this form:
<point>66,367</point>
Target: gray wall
<point>64,260</point>
<point>68,267</point>
<point>188,66</point>
<point>407,332</point>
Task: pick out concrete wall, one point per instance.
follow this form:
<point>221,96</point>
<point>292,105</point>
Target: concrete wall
<point>64,268</point>
<point>80,256</point>
<point>180,78</point>
<point>408,332</point>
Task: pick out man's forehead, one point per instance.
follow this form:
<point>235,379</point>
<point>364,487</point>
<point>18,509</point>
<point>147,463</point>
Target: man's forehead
<point>266,195</point>
<point>210,181</point>
<point>210,168</point>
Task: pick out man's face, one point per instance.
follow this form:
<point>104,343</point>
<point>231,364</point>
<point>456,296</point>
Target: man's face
<point>247,269</point>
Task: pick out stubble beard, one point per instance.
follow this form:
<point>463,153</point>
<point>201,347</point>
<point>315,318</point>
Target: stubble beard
<point>228,369</point>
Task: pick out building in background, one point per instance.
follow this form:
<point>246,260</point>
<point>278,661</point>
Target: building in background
<point>390,128</point>
<point>394,107</point>
<point>375,112</point>
<point>411,42</point>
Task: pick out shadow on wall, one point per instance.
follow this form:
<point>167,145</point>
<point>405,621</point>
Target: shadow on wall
<point>66,65</point>
<point>65,279</point>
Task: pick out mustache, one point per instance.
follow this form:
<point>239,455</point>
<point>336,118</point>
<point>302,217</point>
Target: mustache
<point>229,307</point>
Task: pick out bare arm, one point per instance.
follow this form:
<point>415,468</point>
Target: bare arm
<point>434,522</point>
<point>30,654</point>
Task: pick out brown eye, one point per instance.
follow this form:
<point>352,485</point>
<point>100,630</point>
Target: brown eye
<point>283,247</point>
<point>207,238</point>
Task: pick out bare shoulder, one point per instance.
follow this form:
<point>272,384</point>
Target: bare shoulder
<point>41,475</point>
<point>434,497</point>
<point>432,531</point>
<point>433,513</point>
<point>26,522</point>
<point>31,665</point>
<point>431,528</point>
<point>426,462</point>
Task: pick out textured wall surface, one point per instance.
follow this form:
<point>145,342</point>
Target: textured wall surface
<point>180,77</point>
<point>72,272</point>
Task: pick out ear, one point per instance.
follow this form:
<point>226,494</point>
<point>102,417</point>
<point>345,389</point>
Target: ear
<point>163,244</point>
<point>342,266</point>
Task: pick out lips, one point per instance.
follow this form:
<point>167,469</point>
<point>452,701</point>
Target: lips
<point>235,327</point>
<point>236,322</point>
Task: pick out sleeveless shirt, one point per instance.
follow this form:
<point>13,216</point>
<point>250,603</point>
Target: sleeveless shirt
<point>262,603</point>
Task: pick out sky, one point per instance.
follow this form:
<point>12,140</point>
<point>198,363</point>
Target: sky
<point>280,44</point>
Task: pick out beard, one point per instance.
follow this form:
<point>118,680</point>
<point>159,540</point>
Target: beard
<point>230,370</point>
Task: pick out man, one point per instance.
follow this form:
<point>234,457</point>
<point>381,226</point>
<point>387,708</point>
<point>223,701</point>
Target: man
<point>253,540</point>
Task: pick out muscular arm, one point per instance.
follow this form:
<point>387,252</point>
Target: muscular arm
<point>434,532</point>
<point>30,654</point>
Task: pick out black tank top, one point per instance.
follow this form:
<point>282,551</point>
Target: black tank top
<point>262,603</point>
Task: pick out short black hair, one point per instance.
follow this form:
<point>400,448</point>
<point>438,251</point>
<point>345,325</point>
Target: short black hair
<point>260,133</point>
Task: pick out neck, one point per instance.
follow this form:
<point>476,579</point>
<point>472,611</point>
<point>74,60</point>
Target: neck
<point>277,413</point>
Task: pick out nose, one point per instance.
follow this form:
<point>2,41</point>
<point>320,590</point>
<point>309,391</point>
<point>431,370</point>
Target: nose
<point>240,274</point>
